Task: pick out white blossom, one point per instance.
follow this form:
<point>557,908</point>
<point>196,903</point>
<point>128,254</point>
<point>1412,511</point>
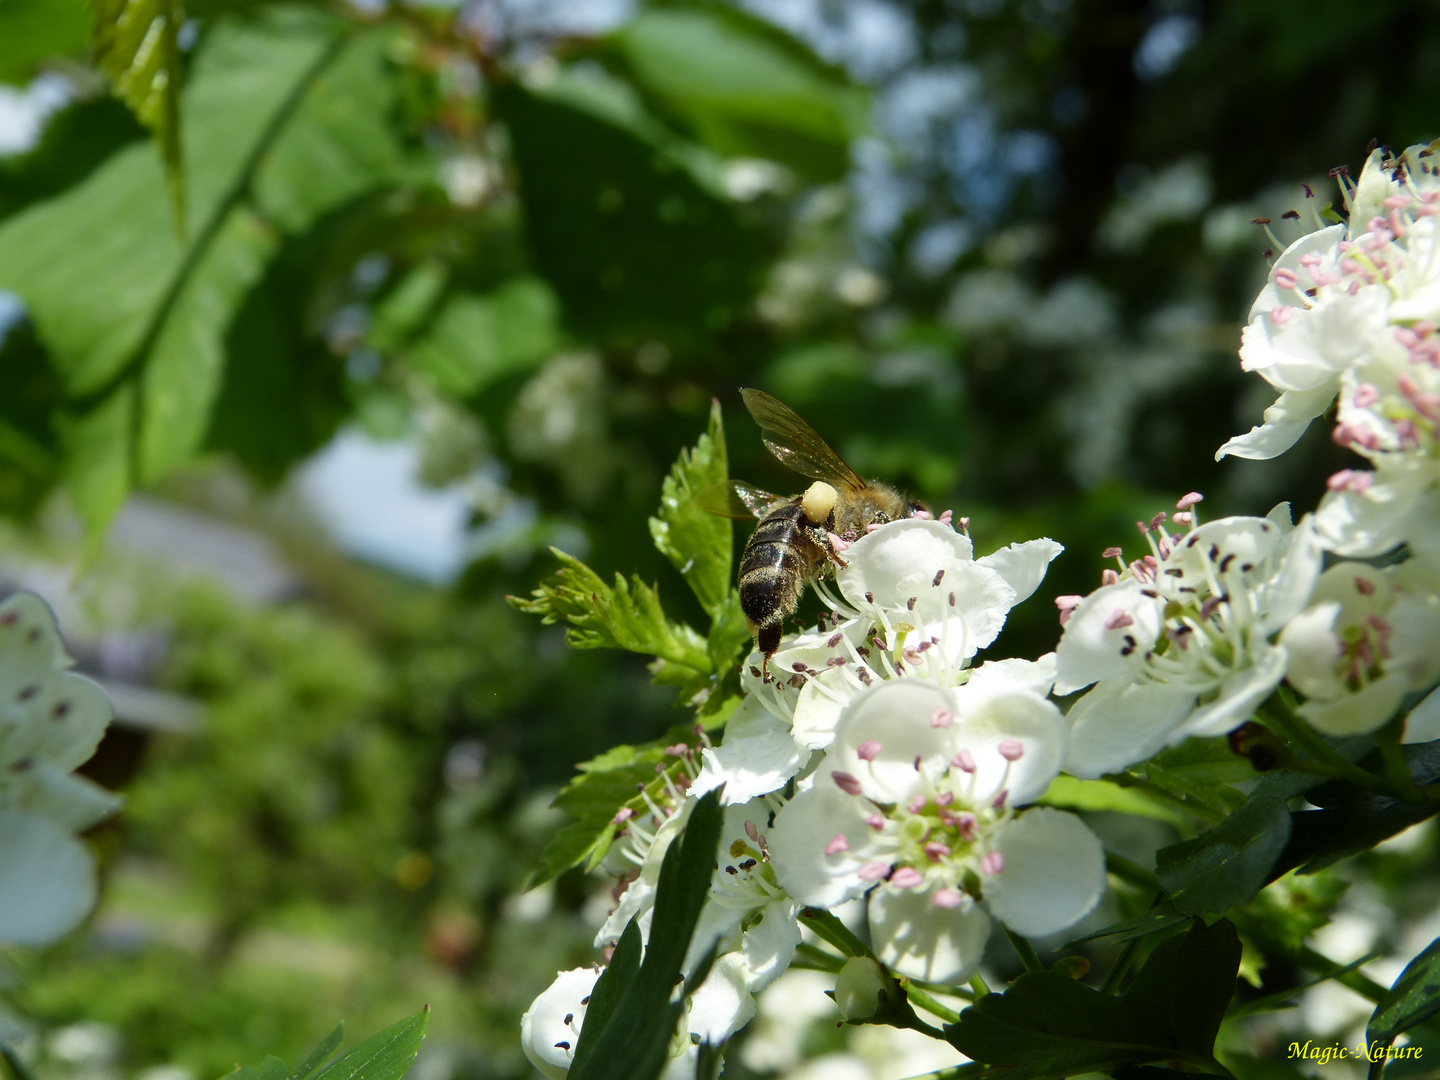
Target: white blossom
<point>51,720</point>
<point>916,803</point>
<point>1369,638</point>
<point>1178,644</point>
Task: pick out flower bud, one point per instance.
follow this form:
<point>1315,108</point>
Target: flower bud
<point>862,989</point>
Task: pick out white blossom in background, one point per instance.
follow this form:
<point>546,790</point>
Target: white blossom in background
<point>917,804</point>
<point>1370,637</point>
<point>913,600</point>
<point>51,720</point>
<point>1178,643</point>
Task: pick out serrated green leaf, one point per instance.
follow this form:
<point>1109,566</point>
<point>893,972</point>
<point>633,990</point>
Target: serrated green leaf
<point>1413,999</point>
<point>477,340</point>
<point>1048,1026</point>
<point>744,86</point>
<point>322,1053</point>
<point>1230,863</point>
<point>626,615</point>
<point>136,44</point>
<point>698,543</point>
<point>387,1055</point>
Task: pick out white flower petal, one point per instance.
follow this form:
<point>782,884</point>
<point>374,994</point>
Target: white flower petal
<point>48,884</point>
<point>1023,565</point>
<point>804,828</point>
<point>895,715</point>
<point>987,720</point>
<point>1359,712</point>
<point>1424,722</point>
<point>916,938</point>
<point>543,1027</point>
<point>996,676</point>
<point>722,1004</point>
<point>1239,694</point>
<point>888,563</point>
<point>1054,872</point>
<point>1312,648</point>
<point>769,944</point>
<point>1119,723</point>
<point>1094,643</point>
<point>758,756</point>
<point>1283,424</point>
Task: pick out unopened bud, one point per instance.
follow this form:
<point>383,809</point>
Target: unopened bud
<point>862,989</point>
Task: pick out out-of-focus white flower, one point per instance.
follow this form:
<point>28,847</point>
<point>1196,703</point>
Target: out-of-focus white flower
<point>917,804</point>
<point>1369,638</point>
<point>1178,644</point>
<point>51,720</point>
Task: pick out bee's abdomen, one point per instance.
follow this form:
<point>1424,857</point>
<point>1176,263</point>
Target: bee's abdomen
<point>774,566</point>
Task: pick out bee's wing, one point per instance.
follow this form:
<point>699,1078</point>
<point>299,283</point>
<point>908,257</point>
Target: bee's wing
<point>737,499</point>
<point>796,444</point>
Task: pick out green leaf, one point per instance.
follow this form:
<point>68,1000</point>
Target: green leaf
<point>272,1068</point>
<point>272,110</point>
<point>745,87</point>
<point>35,30</point>
<point>1230,863</point>
<point>1047,1025</point>
<point>1103,795</point>
<point>387,1055</point>
<point>625,616</point>
<point>135,43</point>
<point>634,1044</point>
<point>614,203</point>
<point>1350,820</point>
<point>98,447</point>
<point>322,1053</point>
<point>1200,771</point>
<point>697,542</point>
<point>1413,999</point>
<point>477,340</point>
<point>1155,921</point>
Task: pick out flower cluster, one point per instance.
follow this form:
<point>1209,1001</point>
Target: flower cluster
<point>873,763</point>
<point>1190,639</point>
<point>51,720</point>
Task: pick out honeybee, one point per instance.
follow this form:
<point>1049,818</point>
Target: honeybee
<point>800,538</point>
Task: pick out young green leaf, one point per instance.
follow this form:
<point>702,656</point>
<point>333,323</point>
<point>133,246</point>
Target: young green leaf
<point>634,1044</point>
<point>625,616</point>
<point>1413,999</point>
<point>1094,795</point>
<point>321,1054</point>
<point>387,1055</point>
<point>272,1068</point>
<point>136,44</point>
<point>697,542</point>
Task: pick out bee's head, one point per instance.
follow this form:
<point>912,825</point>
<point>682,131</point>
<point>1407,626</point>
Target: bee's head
<point>914,506</point>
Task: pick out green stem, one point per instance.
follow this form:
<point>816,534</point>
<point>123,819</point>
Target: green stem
<point>1117,971</point>
<point>830,929</point>
<point>819,959</point>
<point>1275,715</point>
<point>977,985</point>
<point>1023,949</point>
<point>1207,813</point>
<point>1132,873</point>
<point>1399,771</point>
<point>926,1002</point>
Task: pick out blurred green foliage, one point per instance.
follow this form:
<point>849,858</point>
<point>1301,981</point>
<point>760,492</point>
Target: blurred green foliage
<point>996,251</point>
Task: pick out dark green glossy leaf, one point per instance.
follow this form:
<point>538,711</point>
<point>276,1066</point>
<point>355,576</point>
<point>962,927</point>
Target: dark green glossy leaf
<point>697,542</point>
<point>1413,999</point>
<point>1228,864</point>
<point>614,204</point>
<point>634,1044</point>
<point>1155,921</point>
<point>1047,1025</point>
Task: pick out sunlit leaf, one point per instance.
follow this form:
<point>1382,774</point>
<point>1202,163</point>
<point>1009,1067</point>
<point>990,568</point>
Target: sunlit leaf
<point>1228,864</point>
<point>697,542</point>
<point>476,340</point>
<point>1413,999</point>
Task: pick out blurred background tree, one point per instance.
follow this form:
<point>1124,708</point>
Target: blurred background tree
<point>448,284</point>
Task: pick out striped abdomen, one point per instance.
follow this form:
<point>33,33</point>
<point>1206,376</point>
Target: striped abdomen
<point>779,558</point>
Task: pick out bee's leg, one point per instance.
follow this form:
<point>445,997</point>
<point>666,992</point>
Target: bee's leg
<point>767,637</point>
<point>837,545</point>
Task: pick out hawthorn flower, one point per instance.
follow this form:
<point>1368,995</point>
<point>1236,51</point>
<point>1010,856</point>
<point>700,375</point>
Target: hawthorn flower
<point>1178,643</point>
<point>1339,296</point>
<point>916,804</point>
<point>1369,638</point>
<point>51,720</point>
<point>913,600</point>
<point>550,1029</point>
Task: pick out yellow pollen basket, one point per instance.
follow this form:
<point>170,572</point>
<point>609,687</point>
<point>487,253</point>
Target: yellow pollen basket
<point>817,502</point>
